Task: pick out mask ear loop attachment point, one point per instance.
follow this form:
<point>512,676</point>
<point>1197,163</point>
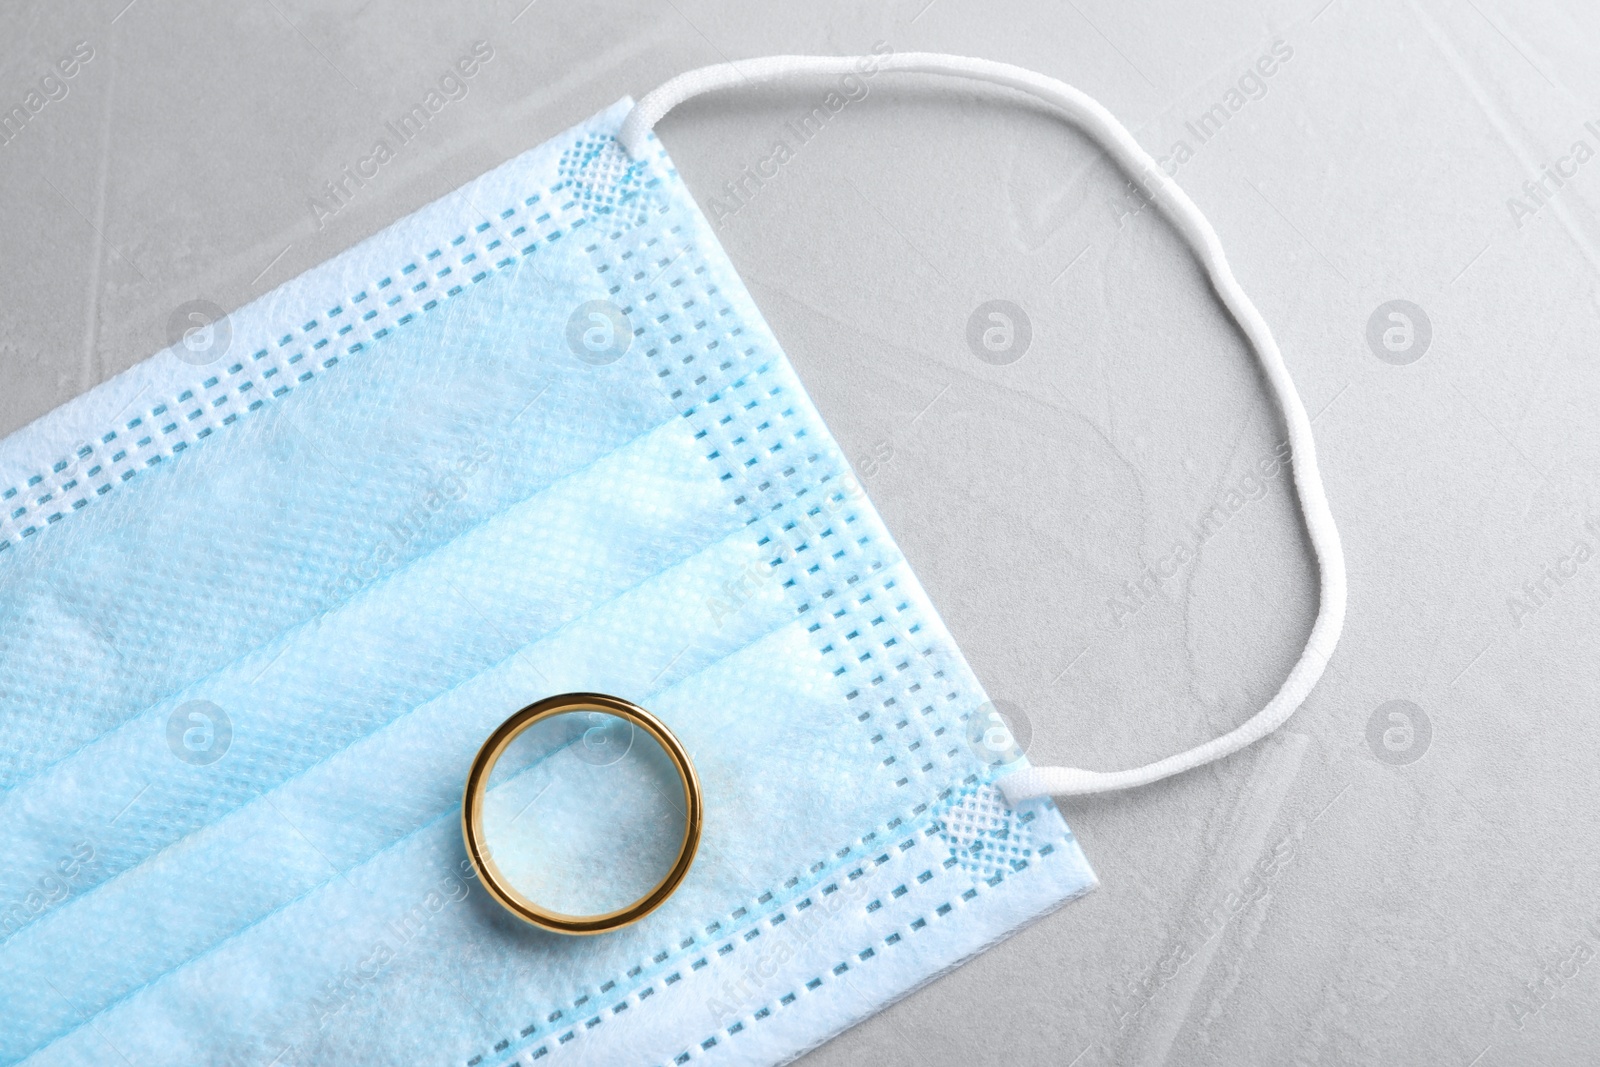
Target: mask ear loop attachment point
<point>1093,119</point>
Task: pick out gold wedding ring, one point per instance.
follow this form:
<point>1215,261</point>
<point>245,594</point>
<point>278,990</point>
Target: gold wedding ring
<point>478,780</point>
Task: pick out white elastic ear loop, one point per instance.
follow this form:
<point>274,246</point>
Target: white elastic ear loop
<point>1099,124</point>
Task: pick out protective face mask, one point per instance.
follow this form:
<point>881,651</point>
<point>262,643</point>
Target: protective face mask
<point>263,596</point>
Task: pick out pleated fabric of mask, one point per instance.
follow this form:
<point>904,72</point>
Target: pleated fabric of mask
<point>256,616</point>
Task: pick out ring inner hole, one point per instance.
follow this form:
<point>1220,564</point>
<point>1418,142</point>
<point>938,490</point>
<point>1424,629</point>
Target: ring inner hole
<point>583,813</point>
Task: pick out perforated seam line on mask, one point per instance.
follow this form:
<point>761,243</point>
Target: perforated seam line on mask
<point>400,309</point>
<point>697,400</point>
<point>717,392</point>
<point>864,653</point>
<point>699,408</point>
<point>856,958</point>
<point>950,801</point>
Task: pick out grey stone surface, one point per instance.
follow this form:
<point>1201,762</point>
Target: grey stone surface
<point>1381,883</point>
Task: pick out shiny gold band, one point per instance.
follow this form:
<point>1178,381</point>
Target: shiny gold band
<point>478,781</point>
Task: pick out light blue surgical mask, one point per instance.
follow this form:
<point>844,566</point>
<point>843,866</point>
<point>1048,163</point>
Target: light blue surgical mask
<point>262,597</point>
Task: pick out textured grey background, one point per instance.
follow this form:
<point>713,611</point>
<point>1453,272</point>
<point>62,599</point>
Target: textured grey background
<point>1306,902</point>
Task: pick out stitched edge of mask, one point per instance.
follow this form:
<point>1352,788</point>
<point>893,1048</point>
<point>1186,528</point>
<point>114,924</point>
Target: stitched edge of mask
<point>288,338</point>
